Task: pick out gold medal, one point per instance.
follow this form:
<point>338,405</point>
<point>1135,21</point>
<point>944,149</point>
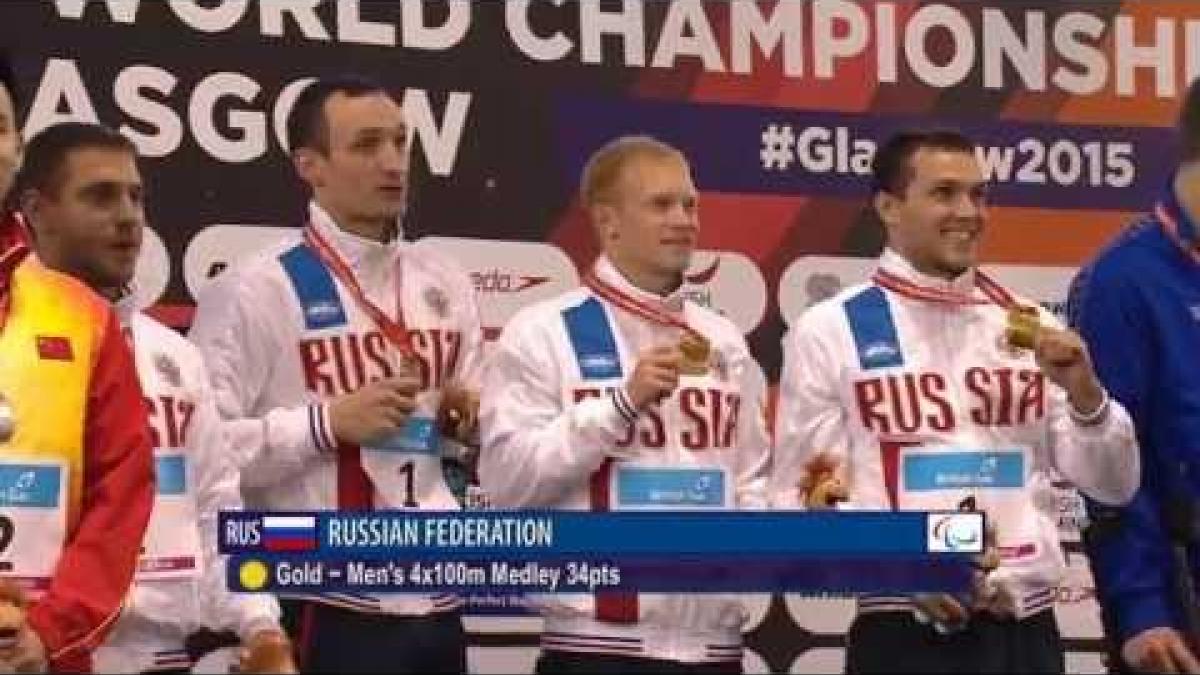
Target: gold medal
<point>1022,327</point>
<point>8,421</point>
<point>697,352</point>
<point>407,366</point>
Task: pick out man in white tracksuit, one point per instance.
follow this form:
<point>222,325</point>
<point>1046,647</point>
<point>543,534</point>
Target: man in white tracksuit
<point>340,347</point>
<point>181,586</point>
<point>930,388</point>
<point>608,396</point>
<point>82,195</point>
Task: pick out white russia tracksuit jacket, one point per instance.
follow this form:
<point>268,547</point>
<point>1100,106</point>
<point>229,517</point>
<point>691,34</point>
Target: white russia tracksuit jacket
<point>282,336</point>
<point>558,434</point>
<point>180,586</point>
<point>926,406</point>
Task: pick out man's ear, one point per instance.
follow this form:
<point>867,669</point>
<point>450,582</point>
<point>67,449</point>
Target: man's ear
<point>887,207</point>
<point>604,217</point>
<point>308,166</point>
<point>19,159</point>
<point>31,202</point>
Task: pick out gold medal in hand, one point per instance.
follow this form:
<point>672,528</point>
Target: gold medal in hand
<point>1022,327</point>
<point>696,350</point>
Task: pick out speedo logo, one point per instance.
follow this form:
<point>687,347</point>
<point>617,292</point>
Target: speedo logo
<point>496,281</point>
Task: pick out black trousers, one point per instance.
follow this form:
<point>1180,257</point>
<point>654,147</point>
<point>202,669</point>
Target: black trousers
<point>573,663</point>
<point>334,640</point>
<point>895,642</point>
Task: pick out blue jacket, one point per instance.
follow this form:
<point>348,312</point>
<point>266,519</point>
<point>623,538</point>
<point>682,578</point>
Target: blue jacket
<point>1138,307</point>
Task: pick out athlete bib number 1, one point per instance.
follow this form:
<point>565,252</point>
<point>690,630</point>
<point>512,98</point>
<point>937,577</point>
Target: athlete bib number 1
<point>401,466</point>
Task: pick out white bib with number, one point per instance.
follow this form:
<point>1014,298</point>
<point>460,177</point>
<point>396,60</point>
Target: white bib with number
<point>406,469</point>
<point>645,487</point>
<point>33,518</point>
<point>171,547</point>
<point>940,478</point>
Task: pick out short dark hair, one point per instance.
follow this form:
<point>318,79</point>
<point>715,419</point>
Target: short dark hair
<point>892,170</point>
<point>47,153</point>
<point>1189,124</point>
<point>9,79</point>
<point>307,126</point>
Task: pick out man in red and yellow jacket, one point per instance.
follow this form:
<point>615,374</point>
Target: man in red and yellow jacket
<point>76,476</point>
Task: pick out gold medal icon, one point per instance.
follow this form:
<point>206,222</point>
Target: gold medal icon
<point>8,420</point>
<point>1022,327</point>
<point>253,575</point>
<point>697,353</point>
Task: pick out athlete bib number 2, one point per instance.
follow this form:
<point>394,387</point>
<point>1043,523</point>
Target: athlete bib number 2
<point>33,518</point>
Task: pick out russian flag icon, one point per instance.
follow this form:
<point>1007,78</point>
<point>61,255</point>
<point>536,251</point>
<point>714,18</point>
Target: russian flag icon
<point>290,533</point>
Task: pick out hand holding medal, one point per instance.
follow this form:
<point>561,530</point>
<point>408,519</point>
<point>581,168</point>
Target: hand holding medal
<point>376,410</point>
<point>693,353</point>
<point>655,376</point>
<point>1063,358</point>
<point>373,412</point>
<point>696,351</point>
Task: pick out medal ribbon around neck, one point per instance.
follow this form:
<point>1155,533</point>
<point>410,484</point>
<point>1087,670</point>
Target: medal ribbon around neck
<point>393,329</point>
<point>639,308</point>
<point>909,289</point>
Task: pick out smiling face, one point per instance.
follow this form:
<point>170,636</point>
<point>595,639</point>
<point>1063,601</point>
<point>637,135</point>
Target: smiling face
<point>936,219</point>
<point>650,224</point>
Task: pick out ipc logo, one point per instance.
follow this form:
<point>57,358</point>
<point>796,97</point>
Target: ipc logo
<point>954,532</point>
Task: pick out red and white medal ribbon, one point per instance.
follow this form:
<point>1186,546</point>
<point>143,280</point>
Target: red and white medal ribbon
<point>993,291</point>
<point>393,329</point>
<point>635,306</point>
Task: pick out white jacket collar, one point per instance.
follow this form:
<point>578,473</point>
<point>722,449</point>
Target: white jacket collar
<point>898,265</point>
<point>365,256</point>
<point>672,303</point>
<point>126,306</point>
